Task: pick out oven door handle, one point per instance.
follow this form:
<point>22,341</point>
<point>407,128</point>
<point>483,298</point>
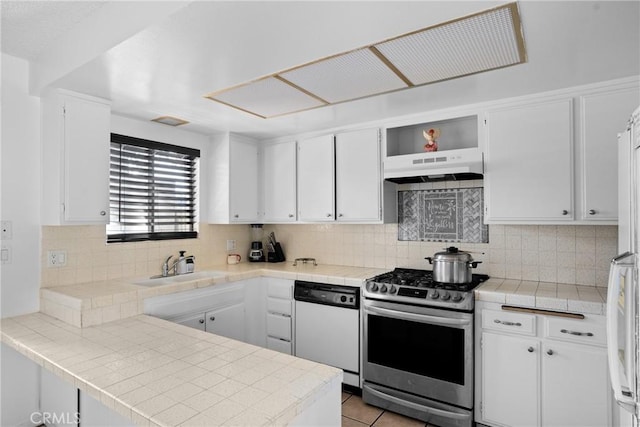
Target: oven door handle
<point>423,318</point>
<point>417,406</point>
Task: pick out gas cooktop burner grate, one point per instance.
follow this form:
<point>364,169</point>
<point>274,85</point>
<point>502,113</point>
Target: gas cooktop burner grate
<point>424,279</point>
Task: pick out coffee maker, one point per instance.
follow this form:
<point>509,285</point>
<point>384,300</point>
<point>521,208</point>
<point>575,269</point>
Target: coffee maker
<point>256,253</point>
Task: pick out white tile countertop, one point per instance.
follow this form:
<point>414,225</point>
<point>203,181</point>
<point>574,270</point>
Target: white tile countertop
<point>158,373</point>
<point>94,303</point>
<point>543,295</point>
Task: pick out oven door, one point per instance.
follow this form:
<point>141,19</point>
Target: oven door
<point>424,351</point>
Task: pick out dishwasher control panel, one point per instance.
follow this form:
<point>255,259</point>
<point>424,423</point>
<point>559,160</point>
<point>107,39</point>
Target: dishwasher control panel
<point>323,293</point>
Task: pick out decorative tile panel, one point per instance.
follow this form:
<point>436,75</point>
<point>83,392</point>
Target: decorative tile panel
<point>448,215</point>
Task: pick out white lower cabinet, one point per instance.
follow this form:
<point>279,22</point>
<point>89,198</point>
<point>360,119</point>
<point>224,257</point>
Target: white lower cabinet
<point>510,380</point>
<point>195,321</point>
<point>227,321</point>
<point>541,370</point>
<point>279,315</point>
<point>95,414</point>
<point>575,386</point>
<point>58,401</point>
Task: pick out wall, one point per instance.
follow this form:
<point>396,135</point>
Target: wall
<point>575,254</point>
<point>20,189</point>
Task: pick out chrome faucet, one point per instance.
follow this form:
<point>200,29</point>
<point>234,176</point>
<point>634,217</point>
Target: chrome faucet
<point>166,268</point>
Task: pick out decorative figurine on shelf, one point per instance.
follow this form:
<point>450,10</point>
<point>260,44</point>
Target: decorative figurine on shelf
<point>431,135</point>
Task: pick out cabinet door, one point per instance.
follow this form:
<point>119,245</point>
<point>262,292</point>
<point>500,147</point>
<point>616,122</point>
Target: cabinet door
<point>195,321</point>
<point>96,414</point>
<point>279,182</point>
<point>575,386</point>
<point>227,321</point>
<point>603,116</point>
<point>510,380</point>
<point>58,397</point>
<point>529,174</point>
<point>358,183</point>
<point>243,186</point>
<point>316,179</point>
<point>255,308</point>
<point>87,133</point>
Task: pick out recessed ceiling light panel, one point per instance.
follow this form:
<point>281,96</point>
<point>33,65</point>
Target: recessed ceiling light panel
<point>267,97</point>
<point>170,121</point>
<point>349,76</point>
<point>481,42</point>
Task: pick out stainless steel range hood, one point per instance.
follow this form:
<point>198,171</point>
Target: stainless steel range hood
<point>461,164</point>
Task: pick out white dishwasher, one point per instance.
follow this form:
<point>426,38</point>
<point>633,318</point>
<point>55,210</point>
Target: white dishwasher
<point>327,326</point>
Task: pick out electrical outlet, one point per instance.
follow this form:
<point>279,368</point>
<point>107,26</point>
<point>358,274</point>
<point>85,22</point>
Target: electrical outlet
<point>56,258</point>
<point>231,245</point>
<point>5,255</point>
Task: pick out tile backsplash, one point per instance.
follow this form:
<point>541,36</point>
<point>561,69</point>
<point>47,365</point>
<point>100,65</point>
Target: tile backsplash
<point>565,254</point>
<point>90,258</point>
<point>575,254</point>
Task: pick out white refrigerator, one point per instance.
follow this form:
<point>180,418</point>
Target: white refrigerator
<point>623,294</point>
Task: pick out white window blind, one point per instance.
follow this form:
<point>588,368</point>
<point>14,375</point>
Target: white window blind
<point>153,190</point>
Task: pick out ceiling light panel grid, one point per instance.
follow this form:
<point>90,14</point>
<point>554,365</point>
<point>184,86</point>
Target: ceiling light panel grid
<point>470,45</point>
<point>267,97</point>
<point>353,75</point>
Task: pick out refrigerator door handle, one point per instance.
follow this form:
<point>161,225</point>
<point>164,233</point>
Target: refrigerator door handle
<point>619,265</point>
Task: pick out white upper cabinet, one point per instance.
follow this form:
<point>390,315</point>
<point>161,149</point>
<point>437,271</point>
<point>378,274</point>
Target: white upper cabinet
<point>76,134</point>
<point>528,169</point>
<point>602,116</point>
<point>279,182</point>
<point>233,180</point>
<point>316,179</point>
<point>358,182</point>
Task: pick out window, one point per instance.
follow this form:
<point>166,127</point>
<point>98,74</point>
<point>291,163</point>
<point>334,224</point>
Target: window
<point>153,190</point>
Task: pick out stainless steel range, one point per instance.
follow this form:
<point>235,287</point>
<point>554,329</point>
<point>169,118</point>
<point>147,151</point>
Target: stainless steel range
<point>418,346</point>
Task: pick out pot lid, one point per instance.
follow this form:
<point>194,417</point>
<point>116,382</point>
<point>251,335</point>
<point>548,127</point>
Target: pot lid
<point>452,254</point>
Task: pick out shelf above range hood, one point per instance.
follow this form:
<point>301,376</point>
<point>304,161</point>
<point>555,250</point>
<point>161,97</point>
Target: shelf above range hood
<point>449,165</point>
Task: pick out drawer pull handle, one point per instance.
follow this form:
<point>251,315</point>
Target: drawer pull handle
<point>550,352</point>
<point>201,320</point>
<point>580,334</point>
<point>530,349</point>
<point>212,318</point>
<point>505,323</point>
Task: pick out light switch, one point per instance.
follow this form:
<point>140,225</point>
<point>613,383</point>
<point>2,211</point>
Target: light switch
<point>6,228</point>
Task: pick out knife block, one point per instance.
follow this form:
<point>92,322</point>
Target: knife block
<point>277,255</point>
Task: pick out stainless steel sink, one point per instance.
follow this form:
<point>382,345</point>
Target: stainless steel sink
<point>198,275</point>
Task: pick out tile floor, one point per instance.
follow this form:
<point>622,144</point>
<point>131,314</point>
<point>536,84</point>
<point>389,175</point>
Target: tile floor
<point>356,413</point>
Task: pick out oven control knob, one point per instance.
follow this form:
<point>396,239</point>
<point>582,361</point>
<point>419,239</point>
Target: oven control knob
<point>392,289</point>
<point>435,295</point>
<point>445,296</point>
<point>343,298</point>
<point>383,288</point>
<point>374,287</point>
<point>456,298</point>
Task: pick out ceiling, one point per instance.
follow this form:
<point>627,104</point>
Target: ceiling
<point>161,58</point>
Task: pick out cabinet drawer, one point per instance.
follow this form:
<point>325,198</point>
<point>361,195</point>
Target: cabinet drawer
<point>277,344</point>
<point>517,323</point>
<point>279,326</point>
<point>279,306</point>
<point>280,289</point>
<point>586,331</point>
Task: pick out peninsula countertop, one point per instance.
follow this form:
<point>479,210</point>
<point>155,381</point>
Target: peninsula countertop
<point>158,373</point>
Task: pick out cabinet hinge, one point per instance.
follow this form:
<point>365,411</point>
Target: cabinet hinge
<point>480,343</point>
<point>481,409</point>
<point>485,122</point>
